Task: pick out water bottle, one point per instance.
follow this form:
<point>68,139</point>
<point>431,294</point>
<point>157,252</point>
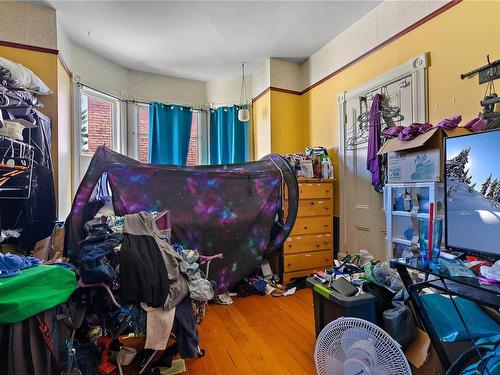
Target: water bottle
<point>325,170</point>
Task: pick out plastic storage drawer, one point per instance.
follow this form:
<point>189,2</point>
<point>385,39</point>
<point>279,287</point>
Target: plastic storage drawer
<point>330,305</point>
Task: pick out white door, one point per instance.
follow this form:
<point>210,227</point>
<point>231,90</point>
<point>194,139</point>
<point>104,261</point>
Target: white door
<point>364,217</point>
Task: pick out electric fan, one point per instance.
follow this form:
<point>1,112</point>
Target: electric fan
<point>349,346</point>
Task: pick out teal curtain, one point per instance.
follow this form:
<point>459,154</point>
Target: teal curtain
<point>169,133</point>
<point>228,136</point>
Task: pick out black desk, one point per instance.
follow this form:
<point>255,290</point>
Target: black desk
<point>438,277</point>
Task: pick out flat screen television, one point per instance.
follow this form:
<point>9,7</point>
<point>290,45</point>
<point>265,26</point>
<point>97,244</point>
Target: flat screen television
<point>472,188</point>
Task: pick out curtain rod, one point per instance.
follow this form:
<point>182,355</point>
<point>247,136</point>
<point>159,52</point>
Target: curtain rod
<point>147,103</point>
<point>131,100</point>
<point>98,90</point>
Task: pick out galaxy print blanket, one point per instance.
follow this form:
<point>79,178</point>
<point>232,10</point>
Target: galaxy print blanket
<point>228,209</point>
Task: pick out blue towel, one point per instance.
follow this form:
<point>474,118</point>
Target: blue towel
<point>11,265</point>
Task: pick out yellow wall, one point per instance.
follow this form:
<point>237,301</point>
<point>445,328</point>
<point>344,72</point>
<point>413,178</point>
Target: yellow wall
<point>261,118</point>
<point>287,136</point>
<point>457,41</point>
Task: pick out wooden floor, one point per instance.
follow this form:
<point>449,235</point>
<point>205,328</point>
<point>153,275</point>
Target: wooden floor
<point>258,335</point>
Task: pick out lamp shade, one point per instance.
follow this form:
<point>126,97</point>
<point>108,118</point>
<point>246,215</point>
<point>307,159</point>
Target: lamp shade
<point>243,114</point>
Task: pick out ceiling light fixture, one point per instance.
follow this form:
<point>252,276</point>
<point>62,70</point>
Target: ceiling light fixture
<point>243,112</point>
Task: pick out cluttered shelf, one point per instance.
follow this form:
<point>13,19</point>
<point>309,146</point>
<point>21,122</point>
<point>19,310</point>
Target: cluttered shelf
<point>453,271</point>
<point>420,215</point>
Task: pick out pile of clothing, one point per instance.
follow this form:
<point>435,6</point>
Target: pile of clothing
<point>145,276</point>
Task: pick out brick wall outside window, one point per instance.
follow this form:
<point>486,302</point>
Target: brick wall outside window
<point>193,142</point>
<point>143,114</point>
<point>100,123</point>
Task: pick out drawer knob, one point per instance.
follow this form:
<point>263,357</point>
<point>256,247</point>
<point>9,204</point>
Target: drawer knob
<point>317,245</point>
<point>289,264</point>
<point>305,227</point>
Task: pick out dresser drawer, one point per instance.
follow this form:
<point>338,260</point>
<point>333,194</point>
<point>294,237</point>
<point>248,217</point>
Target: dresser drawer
<point>313,207</point>
<point>312,260</point>
<point>311,225</point>
<point>311,190</point>
<point>310,242</point>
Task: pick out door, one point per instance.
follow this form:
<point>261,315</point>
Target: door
<point>364,217</point>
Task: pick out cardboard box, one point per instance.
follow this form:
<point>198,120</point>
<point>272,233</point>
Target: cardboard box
<point>414,166</point>
<point>427,144</point>
<point>422,356</point>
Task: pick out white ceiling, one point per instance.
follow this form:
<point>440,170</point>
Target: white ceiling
<point>205,40</point>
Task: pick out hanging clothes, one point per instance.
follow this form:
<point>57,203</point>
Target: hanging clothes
<point>169,133</point>
<point>36,215</point>
<point>185,330</point>
<point>159,324</point>
<point>373,160</point>
<point>228,136</point>
<point>26,347</point>
<point>149,268</point>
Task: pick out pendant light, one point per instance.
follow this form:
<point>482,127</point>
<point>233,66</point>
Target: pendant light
<point>243,112</point>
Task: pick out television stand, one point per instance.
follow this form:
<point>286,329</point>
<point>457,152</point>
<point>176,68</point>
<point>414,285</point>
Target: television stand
<point>439,278</point>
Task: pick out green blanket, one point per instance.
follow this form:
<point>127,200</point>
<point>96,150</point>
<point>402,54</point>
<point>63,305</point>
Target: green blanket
<point>34,290</point>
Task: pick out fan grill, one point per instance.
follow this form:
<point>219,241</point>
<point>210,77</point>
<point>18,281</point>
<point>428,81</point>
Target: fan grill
<point>338,336</point>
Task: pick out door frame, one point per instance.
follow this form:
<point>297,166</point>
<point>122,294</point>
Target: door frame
<point>417,69</point>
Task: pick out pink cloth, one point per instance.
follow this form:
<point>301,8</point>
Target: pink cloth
<point>476,125</point>
<point>450,122</point>
<point>407,133</point>
<point>393,131</point>
<point>412,131</point>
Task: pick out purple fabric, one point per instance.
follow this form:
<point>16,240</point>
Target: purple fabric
<point>373,160</point>
<point>393,131</point>
<point>228,209</point>
<point>450,122</point>
<point>476,125</point>
<point>413,130</point>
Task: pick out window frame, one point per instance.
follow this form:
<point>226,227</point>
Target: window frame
<point>133,149</point>
<point>202,137</point>
<point>117,135</point>
<point>118,132</point>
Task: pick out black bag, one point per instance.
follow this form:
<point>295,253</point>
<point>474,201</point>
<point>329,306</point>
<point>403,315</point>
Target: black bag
<point>384,298</point>
<point>400,324</point>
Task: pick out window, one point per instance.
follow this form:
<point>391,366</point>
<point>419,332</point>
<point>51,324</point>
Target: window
<point>198,145</point>
<point>98,114</point>
<point>143,132</point>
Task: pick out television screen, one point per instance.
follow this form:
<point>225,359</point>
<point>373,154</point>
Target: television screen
<point>472,183</point>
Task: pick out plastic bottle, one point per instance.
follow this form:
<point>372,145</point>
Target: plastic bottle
<point>325,169</point>
<point>331,173</point>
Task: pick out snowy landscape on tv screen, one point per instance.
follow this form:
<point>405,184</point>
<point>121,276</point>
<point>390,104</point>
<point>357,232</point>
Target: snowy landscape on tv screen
<point>473,192</point>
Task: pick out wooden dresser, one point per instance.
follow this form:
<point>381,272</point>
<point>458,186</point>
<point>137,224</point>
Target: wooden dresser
<point>310,245</point>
